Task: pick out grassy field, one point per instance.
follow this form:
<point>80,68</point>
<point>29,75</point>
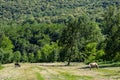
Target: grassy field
<point>58,71</point>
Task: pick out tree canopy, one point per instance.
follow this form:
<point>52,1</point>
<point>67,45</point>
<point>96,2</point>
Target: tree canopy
<point>59,30</point>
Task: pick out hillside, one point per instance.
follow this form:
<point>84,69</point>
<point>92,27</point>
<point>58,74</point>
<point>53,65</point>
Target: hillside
<point>56,11</point>
<point>59,30</point>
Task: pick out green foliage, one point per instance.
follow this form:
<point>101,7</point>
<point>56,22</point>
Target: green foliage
<point>24,57</point>
<point>57,11</point>
<point>38,56</point>
<point>5,43</point>
<point>89,35</point>
<point>100,54</point>
<point>92,53</point>
<point>91,47</point>
<point>46,50</point>
<point>49,52</point>
<point>96,56</point>
<point>89,31</point>
<point>53,56</point>
<point>30,30</point>
<point>1,56</point>
<point>116,58</point>
<point>112,31</point>
<point>81,35</point>
<point>6,56</point>
<point>30,39</point>
<point>31,57</point>
<point>17,56</point>
<point>45,40</point>
<point>68,39</point>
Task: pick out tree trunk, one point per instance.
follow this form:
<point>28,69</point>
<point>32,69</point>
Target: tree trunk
<point>69,60</point>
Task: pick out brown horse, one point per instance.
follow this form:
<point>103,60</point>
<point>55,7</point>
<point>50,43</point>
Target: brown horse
<point>17,64</point>
<point>93,65</point>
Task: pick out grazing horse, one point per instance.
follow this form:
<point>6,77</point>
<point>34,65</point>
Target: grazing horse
<point>17,64</point>
<point>92,65</point>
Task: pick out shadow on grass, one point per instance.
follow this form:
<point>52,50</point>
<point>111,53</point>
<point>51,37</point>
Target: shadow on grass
<point>110,65</point>
<point>118,71</point>
<point>111,74</point>
<point>52,65</point>
<point>86,67</point>
<point>117,78</point>
<point>56,65</point>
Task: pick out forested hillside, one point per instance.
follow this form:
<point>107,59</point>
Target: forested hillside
<point>59,30</point>
<point>56,11</point>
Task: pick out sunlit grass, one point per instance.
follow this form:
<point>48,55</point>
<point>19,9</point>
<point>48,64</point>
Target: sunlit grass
<point>40,68</point>
<point>39,77</point>
<point>1,67</point>
<point>69,76</point>
<point>37,72</point>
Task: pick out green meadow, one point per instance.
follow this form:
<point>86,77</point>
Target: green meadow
<point>59,71</point>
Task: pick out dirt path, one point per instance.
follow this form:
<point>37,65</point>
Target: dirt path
<point>57,71</point>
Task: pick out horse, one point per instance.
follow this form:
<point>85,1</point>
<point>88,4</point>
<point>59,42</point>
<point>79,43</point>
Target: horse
<point>17,64</point>
<point>93,65</point>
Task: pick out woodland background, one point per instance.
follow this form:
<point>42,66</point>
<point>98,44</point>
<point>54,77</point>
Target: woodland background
<point>59,30</point>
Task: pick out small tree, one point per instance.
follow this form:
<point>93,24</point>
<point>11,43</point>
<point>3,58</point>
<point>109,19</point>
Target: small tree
<point>38,56</point>
<point>77,35</point>
<point>31,57</point>
<point>68,39</point>
<point>17,56</point>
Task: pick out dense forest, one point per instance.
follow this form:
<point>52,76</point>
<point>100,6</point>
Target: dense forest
<point>51,11</point>
<point>59,30</point>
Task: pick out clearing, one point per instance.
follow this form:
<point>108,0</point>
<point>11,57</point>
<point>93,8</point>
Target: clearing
<point>58,71</point>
